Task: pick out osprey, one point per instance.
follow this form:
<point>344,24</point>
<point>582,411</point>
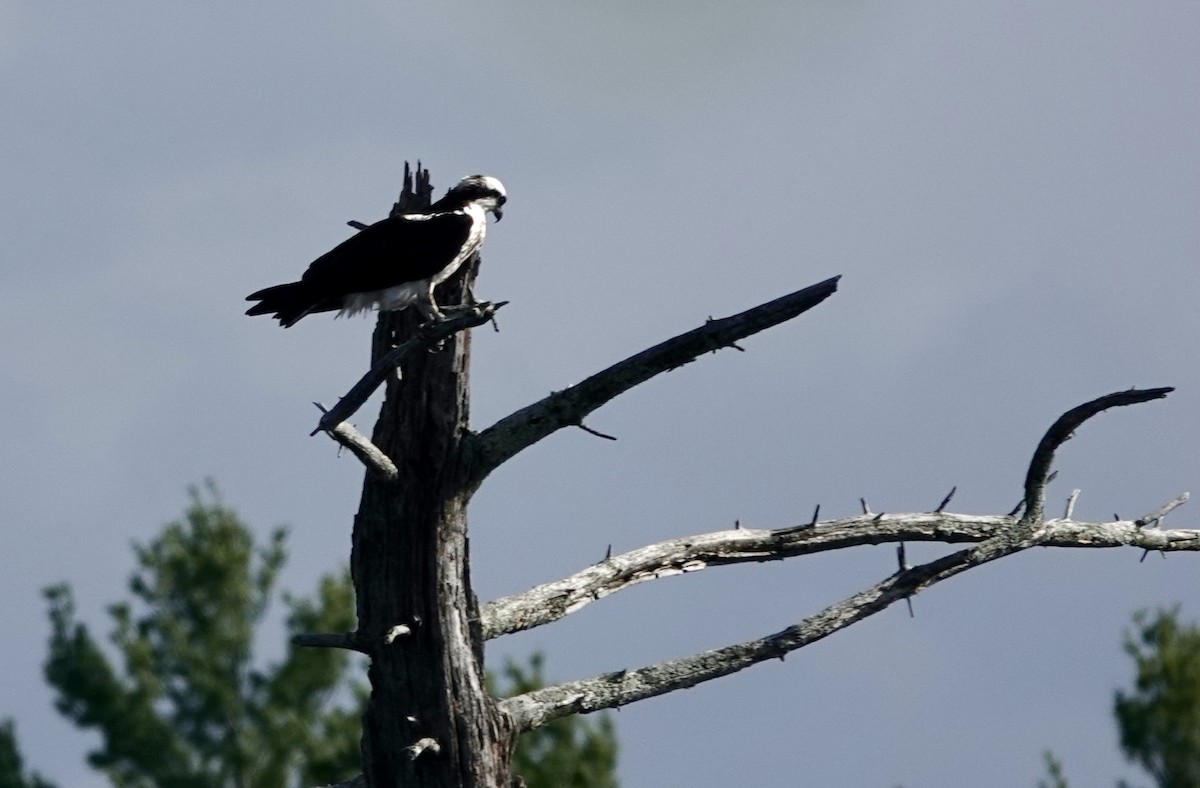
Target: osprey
<point>393,263</point>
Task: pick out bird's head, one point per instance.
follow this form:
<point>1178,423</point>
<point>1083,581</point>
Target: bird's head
<point>483,190</point>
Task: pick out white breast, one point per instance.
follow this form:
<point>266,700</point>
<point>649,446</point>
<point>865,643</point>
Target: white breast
<point>404,295</point>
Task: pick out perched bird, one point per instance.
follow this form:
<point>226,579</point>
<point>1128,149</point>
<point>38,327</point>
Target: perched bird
<point>393,263</point>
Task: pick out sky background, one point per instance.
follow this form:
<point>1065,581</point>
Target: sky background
<point>1009,189</point>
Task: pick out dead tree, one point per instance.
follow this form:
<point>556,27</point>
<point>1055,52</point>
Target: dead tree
<point>430,720</point>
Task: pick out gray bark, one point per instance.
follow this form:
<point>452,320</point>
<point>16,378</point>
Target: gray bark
<point>430,721</point>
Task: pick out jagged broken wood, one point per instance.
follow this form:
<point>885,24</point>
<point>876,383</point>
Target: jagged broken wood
<point>422,745</point>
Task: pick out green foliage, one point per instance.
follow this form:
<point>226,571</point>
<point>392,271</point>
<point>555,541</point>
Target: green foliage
<point>190,707</point>
<point>1056,778</point>
<point>567,753</point>
<point>11,774</point>
<point>1160,717</point>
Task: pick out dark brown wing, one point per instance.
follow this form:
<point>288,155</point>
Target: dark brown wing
<point>390,252</point>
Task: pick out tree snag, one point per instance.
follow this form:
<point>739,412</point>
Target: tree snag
<point>430,721</point>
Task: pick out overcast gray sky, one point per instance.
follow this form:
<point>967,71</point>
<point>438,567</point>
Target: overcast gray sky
<point>1010,190</point>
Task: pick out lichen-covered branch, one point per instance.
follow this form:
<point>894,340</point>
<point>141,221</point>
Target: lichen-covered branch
<point>546,603</point>
<point>567,408</point>
<point>534,709</point>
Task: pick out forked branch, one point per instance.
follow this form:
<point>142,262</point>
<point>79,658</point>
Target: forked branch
<point>551,601</point>
<point>361,447</point>
<point>534,709</point>
<point>519,430</point>
<point>997,536</point>
<point>429,337</point>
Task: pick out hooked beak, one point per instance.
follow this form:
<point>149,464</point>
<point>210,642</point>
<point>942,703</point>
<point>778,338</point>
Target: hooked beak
<point>499,214</point>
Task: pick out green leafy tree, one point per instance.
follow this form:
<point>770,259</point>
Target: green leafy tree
<point>1160,717</point>
<point>12,773</point>
<point>191,706</point>
<point>569,752</point>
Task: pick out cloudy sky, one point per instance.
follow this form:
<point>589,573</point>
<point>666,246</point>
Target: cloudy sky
<point>1010,190</point>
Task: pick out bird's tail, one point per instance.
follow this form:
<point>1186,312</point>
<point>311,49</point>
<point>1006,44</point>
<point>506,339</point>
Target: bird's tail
<point>286,303</point>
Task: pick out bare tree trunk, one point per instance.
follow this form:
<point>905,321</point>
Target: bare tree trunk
<point>430,721</point>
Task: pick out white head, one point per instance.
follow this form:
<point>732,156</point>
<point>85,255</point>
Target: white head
<point>483,190</point>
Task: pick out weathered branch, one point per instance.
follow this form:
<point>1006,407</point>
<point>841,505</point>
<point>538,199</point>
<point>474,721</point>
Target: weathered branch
<point>552,601</point>
<point>428,337</point>
<point>1060,432</point>
<point>534,709</point>
<point>1162,511</point>
<point>519,430</point>
<point>361,447</point>
<point>1069,511</point>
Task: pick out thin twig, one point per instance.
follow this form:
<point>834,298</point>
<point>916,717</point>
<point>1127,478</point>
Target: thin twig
<point>1161,512</point>
<point>1070,508</point>
<point>947,499</point>
<point>597,433</point>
